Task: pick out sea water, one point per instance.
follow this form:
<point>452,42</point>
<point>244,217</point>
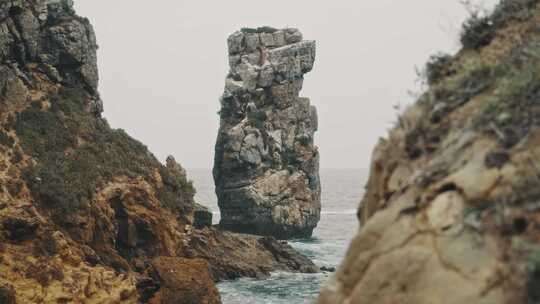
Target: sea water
<point>341,193</point>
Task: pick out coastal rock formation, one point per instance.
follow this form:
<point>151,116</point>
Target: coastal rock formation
<point>451,212</point>
<point>266,167</point>
<point>232,256</point>
<point>87,213</point>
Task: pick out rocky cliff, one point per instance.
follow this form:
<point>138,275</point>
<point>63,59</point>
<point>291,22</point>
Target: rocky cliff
<point>88,214</point>
<point>451,213</point>
<point>266,166</point>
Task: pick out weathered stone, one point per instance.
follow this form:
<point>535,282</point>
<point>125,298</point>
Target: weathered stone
<point>86,209</point>
<point>249,75</point>
<point>236,43</point>
<point>182,281</point>
<point>253,42</point>
<point>232,256</point>
<point>74,45</point>
<point>266,78</point>
<point>68,46</point>
<point>29,29</point>
<point>293,35</point>
<point>459,222</point>
<point>267,39</point>
<point>266,127</point>
<point>328,269</point>
<point>279,38</point>
<point>202,217</point>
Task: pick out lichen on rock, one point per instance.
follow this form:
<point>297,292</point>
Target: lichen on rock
<point>266,165</point>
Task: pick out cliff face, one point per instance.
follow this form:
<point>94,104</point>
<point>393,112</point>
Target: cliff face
<point>266,166</point>
<point>88,214</point>
<point>451,211</point>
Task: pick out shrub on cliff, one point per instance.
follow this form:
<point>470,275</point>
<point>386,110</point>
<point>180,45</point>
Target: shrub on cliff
<point>514,110</point>
<point>76,153</point>
<point>479,30</point>
<point>438,67</point>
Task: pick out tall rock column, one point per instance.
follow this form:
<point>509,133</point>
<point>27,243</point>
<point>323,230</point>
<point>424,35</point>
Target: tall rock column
<point>266,167</point>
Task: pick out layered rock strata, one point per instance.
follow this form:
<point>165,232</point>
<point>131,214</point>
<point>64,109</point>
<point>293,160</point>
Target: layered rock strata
<point>451,212</point>
<point>87,213</point>
<point>266,167</point>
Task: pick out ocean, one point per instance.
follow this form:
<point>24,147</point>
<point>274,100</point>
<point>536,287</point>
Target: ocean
<point>341,192</point>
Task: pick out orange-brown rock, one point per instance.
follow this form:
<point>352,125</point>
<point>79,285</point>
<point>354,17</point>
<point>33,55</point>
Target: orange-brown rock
<point>182,281</point>
<point>87,213</point>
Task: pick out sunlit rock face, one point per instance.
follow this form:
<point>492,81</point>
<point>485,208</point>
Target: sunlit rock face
<point>451,211</point>
<point>266,166</point>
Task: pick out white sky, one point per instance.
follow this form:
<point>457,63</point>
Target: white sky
<point>163,64</point>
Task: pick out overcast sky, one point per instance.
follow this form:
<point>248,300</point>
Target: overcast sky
<point>163,64</point>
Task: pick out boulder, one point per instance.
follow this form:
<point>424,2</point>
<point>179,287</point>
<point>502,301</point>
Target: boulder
<point>182,281</point>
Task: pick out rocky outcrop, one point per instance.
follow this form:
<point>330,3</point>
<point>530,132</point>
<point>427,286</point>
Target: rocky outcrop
<point>87,213</point>
<point>232,256</point>
<point>266,166</point>
<point>451,212</point>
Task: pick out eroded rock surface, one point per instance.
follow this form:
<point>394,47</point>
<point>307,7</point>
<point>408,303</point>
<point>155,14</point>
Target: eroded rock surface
<point>182,281</point>
<point>87,213</point>
<point>232,256</point>
<point>451,212</point>
<point>266,166</point>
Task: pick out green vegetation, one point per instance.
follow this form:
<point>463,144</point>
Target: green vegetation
<point>456,91</point>
<point>514,109</point>
<point>262,29</point>
<point>438,67</point>
<point>77,153</point>
<point>42,132</point>
<point>513,10</point>
<point>479,30</point>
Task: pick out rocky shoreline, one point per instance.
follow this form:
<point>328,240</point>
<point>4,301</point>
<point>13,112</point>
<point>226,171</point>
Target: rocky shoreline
<point>88,214</point>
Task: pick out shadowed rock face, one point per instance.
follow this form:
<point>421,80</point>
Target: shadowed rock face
<point>266,165</point>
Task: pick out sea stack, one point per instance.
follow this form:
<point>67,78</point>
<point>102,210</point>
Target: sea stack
<point>266,167</point>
